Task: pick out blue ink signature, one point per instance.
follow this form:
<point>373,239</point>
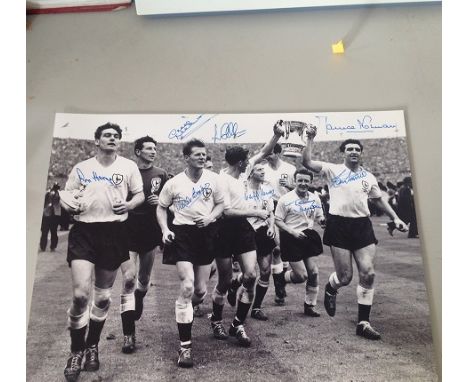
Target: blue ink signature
<point>303,205</point>
<point>226,131</point>
<point>204,191</point>
<point>189,127</point>
<point>301,202</point>
<point>260,195</point>
<point>364,124</point>
<point>181,203</point>
<point>338,181</point>
<point>94,178</point>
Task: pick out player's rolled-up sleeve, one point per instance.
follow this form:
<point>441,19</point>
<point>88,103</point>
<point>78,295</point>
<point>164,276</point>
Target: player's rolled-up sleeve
<point>73,182</point>
<point>280,213</point>
<point>135,182</point>
<point>375,191</point>
<point>318,212</point>
<point>165,197</point>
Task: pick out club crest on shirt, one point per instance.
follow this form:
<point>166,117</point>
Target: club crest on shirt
<point>207,191</point>
<point>155,184</point>
<point>365,186</point>
<point>117,179</point>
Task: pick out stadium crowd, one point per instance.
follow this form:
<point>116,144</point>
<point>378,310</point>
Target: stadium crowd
<point>387,158</point>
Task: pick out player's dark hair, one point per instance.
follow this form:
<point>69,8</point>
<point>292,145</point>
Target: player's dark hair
<point>187,149</point>
<point>139,142</point>
<point>108,125</point>
<point>235,154</point>
<point>277,149</point>
<point>347,142</point>
<point>208,157</point>
<point>304,171</point>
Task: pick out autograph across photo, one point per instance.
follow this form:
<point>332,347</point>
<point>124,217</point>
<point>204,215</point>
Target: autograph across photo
<point>230,247</point>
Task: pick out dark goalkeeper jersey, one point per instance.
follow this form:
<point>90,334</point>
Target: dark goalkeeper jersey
<point>154,179</point>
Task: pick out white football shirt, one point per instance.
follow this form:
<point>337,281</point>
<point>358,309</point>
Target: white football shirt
<point>350,190</point>
<point>284,171</point>
<point>100,187</point>
<point>261,199</point>
<point>192,199</point>
<point>235,191</point>
<point>299,213</point>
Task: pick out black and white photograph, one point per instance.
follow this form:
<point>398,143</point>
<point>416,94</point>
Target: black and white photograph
<point>230,247</point>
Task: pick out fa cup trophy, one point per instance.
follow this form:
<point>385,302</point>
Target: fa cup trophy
<point>294,143</point>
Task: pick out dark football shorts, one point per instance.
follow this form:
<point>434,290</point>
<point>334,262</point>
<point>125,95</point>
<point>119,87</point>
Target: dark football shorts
<point>264,243</point>
<point>293,249</point>
<point>192,244</point>
<point>349,233</point>
<point>144,233</point>
<point>236,236</point>
<point>103,244</point>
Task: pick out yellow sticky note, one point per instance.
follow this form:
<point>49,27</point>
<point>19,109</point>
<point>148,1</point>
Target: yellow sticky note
<point>338,47</point>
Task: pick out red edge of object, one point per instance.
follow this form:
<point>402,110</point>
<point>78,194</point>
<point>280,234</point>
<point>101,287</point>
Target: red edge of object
<point>83,8</point>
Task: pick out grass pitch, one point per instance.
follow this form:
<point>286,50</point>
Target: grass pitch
<point>288,347</point>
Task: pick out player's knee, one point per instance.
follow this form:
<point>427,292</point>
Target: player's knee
<point>367,278</point>
<point>345,277</point>
<point>102,297</point>
<point>300,277</point>
<point>313,272</point>
<point>80,299</point>
<point>129,281</point>
<point>187,288</point>
<point>312,277</point>
<point>314,269</point>
<point>276,252</point>
<point>249,279</point>
<point>101,304</point>
<point>199,296</point>
<point>265,274</point>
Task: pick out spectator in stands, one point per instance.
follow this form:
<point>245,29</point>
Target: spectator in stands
<point>50,218</point>
<point>406,207</point>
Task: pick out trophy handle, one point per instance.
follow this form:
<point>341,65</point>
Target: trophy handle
<point>287,129</point>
